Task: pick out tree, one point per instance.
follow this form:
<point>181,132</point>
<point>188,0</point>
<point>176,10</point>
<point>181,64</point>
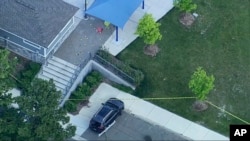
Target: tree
<point>43,119</point>
<point>148,29</point>
<point>185,5</point>
<point>7,66</point>
<point>10,121</point>
<point>9,118</point>
<point>201,84</point>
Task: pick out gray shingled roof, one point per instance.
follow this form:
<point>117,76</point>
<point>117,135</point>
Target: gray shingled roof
<point>36,20</point>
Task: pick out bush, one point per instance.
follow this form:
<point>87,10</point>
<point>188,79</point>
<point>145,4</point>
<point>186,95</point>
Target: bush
<point>28,74</point>
<point>123,88</point>
<point>70,106</point>
<point>97,75</point>
<point>91,80</point>
<point>85,88</point>
<point>83,91</point>
<point>185,5</point>
<point>136,75</point>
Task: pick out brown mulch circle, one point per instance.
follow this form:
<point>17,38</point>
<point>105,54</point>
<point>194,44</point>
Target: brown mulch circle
<point>187,19</point>
<point>151,50</point>
<point>200,106</point>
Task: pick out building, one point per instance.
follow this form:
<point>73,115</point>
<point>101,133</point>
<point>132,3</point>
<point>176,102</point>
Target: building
<point>35,29</point>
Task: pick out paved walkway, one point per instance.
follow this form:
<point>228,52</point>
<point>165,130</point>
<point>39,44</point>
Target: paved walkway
<point>84,39</point>
<point>144,110</point>
<point>158,8</point>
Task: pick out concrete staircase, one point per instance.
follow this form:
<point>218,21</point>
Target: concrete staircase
<point>62,72</point>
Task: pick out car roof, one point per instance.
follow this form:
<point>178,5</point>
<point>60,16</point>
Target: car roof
<point>102,113</point>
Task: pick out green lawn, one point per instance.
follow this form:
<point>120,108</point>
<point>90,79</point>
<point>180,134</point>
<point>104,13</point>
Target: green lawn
<point>219,42</point>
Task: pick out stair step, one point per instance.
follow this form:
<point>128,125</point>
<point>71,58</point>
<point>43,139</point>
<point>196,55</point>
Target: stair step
<point>60,65</point>
<point>60,70</point>
<point>59,86</point>
<point>55,78</point>
<point>56,73</point>
<point>64,62</point>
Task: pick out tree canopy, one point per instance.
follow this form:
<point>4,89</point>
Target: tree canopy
<point>9,118</point>
<point>38,116</point>
<point>201,84</point>
<point>43,118</point>
<point>7,66</point>
<point>148,29</point>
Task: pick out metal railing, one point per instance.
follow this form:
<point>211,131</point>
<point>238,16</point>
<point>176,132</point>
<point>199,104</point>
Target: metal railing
<point>114,69</point>
<point>76,73</point>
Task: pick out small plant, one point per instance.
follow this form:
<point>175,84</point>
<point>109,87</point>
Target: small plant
<point>83,91</point>
<point>97,75</point>
<point>185,5</point>
<point>91,80</point>
<point>201,84</point>
<point>70,106</point>
<point>148,29</point>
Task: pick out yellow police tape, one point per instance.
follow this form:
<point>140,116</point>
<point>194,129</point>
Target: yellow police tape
<point>227,112</point>
<point>175,98</point>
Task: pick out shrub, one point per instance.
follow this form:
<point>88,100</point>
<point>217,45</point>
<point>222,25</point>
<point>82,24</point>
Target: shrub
<point>77,95</point>
<point>70,106</point>
<point>123,88</point>
<point>185,5</point>
<point>83,91</point>
<point>110,61</point>
<point>91,80</point>
<point>97,75</point>
<point>28,74</point>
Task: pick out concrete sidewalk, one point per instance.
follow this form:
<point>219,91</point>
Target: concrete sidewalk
<point>144,110</point>
<point>80,4</point>
<point>158,8</point>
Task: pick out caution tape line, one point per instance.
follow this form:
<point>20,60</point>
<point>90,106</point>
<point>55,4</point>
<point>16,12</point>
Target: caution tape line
<point>175,98</point>
<point>159,98</point>
<point>227,112</point>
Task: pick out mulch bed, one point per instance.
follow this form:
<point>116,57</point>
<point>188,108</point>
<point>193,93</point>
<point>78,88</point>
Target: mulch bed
<point>151,50</point>
<point>187,19</point>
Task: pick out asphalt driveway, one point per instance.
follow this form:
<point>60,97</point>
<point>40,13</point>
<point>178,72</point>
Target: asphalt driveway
<point>130,127</point>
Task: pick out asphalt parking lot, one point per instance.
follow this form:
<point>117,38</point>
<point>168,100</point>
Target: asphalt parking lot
<point>130,127</point>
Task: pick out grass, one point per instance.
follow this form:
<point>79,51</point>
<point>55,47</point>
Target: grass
<point>218,42</point>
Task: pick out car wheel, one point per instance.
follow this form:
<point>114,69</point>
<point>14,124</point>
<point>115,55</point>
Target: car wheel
<point>120,112</point>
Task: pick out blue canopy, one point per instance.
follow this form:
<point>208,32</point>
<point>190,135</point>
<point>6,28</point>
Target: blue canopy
<point>116,12</point>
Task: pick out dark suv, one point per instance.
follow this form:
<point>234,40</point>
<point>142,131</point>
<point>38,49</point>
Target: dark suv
<point>106,115</point>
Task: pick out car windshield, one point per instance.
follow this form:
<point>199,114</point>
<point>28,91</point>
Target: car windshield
<point>111,105</point>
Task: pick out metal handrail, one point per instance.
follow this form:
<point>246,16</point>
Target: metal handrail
<point>76,73</point>
<point>118,71</point>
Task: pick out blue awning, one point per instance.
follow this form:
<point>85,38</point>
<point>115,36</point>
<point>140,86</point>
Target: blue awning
<point>116,12</point>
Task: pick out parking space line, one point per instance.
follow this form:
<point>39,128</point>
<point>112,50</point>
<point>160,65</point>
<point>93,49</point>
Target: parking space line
<point>107,128</point>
